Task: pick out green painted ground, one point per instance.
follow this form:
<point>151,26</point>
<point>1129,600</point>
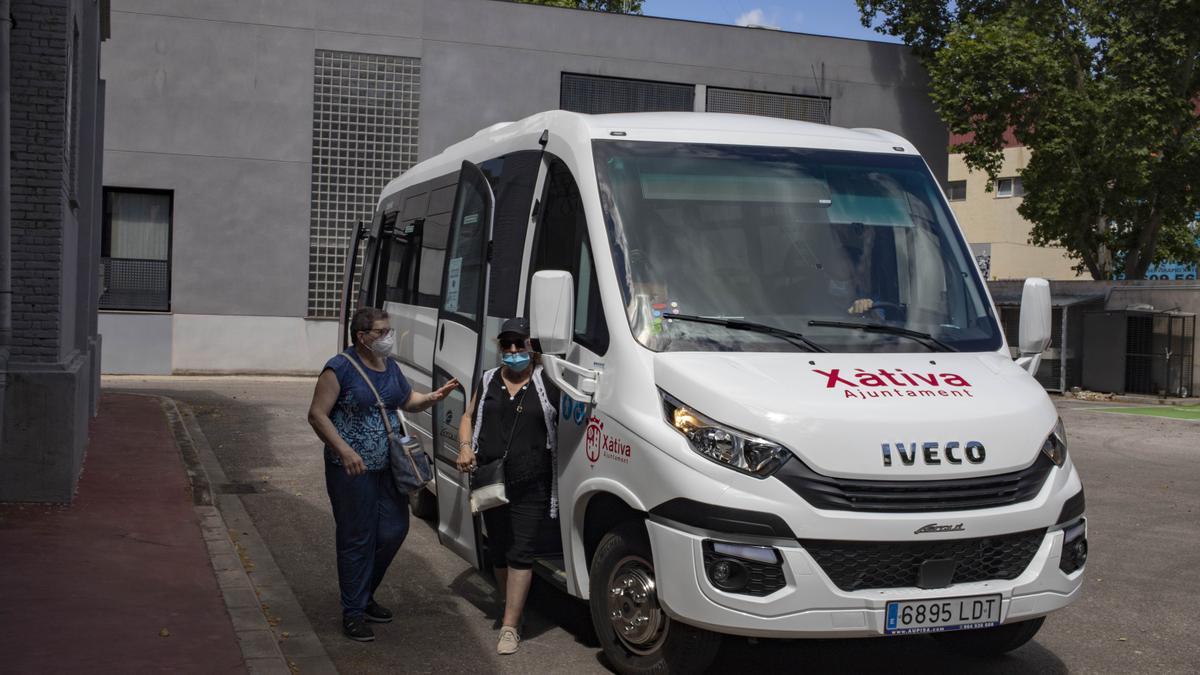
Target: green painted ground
<point>1178,412</point>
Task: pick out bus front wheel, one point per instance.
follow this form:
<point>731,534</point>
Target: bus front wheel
<point>637,636</point>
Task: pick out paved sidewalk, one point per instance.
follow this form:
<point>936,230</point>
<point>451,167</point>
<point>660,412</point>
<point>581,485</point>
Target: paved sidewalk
<point>121,579</point>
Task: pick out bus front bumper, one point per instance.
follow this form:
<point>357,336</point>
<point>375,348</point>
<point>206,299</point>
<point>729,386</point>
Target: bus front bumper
<point>810,604</point>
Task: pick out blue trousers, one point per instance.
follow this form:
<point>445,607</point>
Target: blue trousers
<point>372,520</point>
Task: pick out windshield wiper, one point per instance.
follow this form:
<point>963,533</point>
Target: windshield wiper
<point>924,338</point>
<point>782,333</point>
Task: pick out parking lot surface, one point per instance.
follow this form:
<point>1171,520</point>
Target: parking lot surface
<point>1137,613</point>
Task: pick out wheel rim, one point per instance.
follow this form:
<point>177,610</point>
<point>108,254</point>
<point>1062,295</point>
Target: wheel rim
<point>633,607</point>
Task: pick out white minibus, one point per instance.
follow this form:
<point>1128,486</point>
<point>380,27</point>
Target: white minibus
<point>789,408</point>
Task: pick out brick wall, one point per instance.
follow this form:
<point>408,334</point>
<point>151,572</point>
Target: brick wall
<point>40,175</point>
<point>55,236</point>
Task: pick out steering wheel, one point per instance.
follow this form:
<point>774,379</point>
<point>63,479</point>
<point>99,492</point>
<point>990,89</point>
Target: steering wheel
<point>888,311</point>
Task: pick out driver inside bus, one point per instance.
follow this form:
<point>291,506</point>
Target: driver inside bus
<point>847,285</point>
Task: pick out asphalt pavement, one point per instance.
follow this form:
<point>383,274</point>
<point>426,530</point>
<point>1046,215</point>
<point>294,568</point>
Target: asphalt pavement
<point>1136,614</point>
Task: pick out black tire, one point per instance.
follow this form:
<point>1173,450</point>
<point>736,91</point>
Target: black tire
<point>991,641</point>
<point>423,504</point>
<point>665,645</point>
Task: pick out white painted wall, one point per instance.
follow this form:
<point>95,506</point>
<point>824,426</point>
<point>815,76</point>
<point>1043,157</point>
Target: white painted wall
<point>206,343</point>
<point>135,343</point>
<point>251,344</point>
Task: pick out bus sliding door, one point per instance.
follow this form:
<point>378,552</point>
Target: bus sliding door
<point>456,352</point>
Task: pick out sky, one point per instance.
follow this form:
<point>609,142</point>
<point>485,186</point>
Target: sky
<point>831,17</point>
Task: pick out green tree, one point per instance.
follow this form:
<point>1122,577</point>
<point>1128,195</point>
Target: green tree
<point>1106,93</point>
<point>613,6</point>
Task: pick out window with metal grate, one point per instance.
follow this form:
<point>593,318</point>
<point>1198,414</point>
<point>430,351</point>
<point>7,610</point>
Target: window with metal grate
<point>365,114</point>
<point>786,106</point>
<point>135,249</point>
<point>595,95</point>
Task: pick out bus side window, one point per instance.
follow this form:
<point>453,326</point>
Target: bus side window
<point>513,178</point>
<point>590,328</point>
<point>433,258</point>
<point>562,244</point>
<point>433,243</point>
<point>404,248</point>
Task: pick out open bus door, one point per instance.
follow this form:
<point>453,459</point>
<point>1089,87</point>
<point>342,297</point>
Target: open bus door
<point>362,230</point>
<point>375,234</point>
<point>460,329</point>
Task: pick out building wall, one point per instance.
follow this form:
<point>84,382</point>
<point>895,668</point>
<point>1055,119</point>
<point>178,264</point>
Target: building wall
<point>220,112</point>
<point>214,101</point>
<point>143,340</point>
<point>56,129</point>
<point>992,222</point>
<point>475,52</point>
<point>40,190</point>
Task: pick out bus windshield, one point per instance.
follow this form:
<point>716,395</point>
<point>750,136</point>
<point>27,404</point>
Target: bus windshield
<point>790,238</point>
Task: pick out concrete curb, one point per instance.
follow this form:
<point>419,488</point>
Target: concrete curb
<point>271,627</point>
<point>1132,399</point>
<point>201,489</point>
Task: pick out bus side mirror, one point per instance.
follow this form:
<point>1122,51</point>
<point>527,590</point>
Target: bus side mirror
<point>552,310</point>
<point>551,322</point>
<point>1034,334</point>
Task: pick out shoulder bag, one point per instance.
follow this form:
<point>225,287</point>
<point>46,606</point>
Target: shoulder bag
<point>487,481</point>
<point>411,468</point>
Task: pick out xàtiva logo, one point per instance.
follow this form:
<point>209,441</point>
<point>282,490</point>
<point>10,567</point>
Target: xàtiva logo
<point>593,438</point>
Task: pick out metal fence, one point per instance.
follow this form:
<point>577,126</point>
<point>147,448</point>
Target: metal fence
<point>131,283</point>
<point>1140,352</point>
<point>786,106</point>
<point>1159,350</point>
<point>598,95</point>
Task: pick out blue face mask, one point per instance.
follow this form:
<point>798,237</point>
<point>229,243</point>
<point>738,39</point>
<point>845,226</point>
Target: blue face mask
<point>518,361</point>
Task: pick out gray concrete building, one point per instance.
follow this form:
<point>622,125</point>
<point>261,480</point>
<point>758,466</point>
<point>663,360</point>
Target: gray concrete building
<point>51,123</point>
<point>243,140</point>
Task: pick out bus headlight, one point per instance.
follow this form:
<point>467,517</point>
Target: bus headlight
<point>1055,446</point>
<point>724,445</point>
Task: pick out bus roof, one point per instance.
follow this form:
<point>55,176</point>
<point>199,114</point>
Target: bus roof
<point>677,127</point>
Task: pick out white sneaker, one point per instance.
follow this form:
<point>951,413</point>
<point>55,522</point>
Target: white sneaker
<point>508,641</point>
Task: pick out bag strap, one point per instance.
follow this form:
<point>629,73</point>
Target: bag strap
<point>477,418</point>
<point>513,430</point>
<point>382,408</point>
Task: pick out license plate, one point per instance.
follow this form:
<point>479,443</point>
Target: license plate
<point>944,614</point>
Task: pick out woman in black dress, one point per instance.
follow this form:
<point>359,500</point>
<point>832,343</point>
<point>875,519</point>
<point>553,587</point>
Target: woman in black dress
<point>516,420</point>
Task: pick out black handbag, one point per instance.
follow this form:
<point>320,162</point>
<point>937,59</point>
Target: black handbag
<point>487,480</point>
<point>411,468</point>
<point>487,486</point>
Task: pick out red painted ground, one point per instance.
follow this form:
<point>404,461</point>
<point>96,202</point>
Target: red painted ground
<point>88,587</point>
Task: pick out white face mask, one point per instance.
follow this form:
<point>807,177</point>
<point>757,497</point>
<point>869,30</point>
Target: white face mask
<point>383,346</point>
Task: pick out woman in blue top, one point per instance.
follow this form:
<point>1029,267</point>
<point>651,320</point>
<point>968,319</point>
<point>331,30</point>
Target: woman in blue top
<point>370,514</point>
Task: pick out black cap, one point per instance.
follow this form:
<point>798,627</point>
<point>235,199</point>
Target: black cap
<point>518,326</point>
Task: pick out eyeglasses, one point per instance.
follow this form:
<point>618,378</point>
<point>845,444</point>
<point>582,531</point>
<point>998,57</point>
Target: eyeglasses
<point>507,343</point>
<point>381,332</point>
